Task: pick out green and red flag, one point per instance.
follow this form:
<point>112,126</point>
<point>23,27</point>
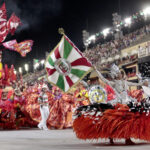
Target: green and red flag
<point>66,66</point>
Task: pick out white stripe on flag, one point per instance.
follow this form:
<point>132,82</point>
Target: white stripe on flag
<point>3,32</point>
<point>84,68</point>
<point>66,84</point>
<point>2,25</point>
<point>61,48</point>
<point>73,78</point>
<point>53,57</point>
<point>74,55</point>
<point>54,77</point>
<point>47,65</point>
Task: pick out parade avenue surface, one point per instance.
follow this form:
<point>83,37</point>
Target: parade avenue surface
<point>56,140</point>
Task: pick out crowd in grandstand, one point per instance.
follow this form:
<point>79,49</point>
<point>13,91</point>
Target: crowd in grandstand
<point>113,47</point>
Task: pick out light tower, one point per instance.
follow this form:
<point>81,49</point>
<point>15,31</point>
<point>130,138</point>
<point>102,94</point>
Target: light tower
<point>85,36</point>
<point>117,25</point>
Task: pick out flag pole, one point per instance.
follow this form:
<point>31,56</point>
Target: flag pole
<point>100,76</point>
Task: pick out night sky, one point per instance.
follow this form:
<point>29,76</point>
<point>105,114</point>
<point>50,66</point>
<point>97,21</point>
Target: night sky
<point>42,18</point>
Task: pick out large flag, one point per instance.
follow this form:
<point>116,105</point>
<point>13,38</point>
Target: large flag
<point>10,44</point>
<point>13,23</point>
<point>0,57</point>
<point>66,66</point>
<point>3,23</point>
<point>23,47</point>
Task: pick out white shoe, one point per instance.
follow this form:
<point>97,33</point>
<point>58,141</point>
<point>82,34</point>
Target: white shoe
<point>45,128</point>
<point>39,126</point>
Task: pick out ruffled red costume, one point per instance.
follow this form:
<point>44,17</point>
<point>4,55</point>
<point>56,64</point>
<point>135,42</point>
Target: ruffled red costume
<point>61,112</point>
<point>115,123</point>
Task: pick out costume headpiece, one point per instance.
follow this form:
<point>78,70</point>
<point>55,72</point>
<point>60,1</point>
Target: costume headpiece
<point>114,71</point>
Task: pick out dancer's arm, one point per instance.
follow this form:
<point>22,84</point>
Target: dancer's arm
<point>111,83</point>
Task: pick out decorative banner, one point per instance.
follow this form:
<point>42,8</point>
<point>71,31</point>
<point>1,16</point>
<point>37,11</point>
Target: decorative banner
<point>24,47</point>
<point>0,55</point>
<point>12,74</point>
<point>66,65</point>
<point>13,23</point>
<point>10,44</point>
<point>97,94</point>
<point>6,71</point>
<point>3,13</point>
<point>1,69</point>
<point>3,23</point>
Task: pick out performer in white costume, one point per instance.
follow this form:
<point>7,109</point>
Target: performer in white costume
<point>44,108</point>
<point>120,85</point>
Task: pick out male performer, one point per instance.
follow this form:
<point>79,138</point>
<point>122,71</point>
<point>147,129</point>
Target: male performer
<point>44,108</point>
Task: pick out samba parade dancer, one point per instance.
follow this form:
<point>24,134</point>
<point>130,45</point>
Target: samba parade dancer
<point>120,84</point>
<point>62,105</point>
<point>119,121</point>
<point>44,107</point>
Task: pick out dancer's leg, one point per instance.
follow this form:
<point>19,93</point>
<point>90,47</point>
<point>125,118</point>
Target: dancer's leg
<point>129,142</point>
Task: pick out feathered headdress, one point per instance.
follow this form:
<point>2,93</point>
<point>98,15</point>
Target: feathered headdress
<point>114,71</point>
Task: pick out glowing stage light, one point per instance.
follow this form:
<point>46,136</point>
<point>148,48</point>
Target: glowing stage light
<point>92,38</point>
<point>146,11</point>
<point>128,21</point>
<point>20,69</point>
<point>42,61</point>
<point>106,31</point>
<point>36,66</point>
<point>26,66</point>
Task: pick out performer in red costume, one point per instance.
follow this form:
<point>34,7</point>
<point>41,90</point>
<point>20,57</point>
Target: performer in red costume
<point>61,109</point>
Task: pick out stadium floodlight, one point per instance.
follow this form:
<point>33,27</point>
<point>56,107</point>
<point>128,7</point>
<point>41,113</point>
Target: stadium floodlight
<point>87,42</point>
<point>42,62</point>
<point>106,31</point>
<point>36,66</point>
<point>128,21</point>
<point>26,66</point>
<point>117,30</point>
<point>92,38</point>
<point>20,69</point>
<point>146,11</point>
<point>85,36</point>
<point>118,25</point>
